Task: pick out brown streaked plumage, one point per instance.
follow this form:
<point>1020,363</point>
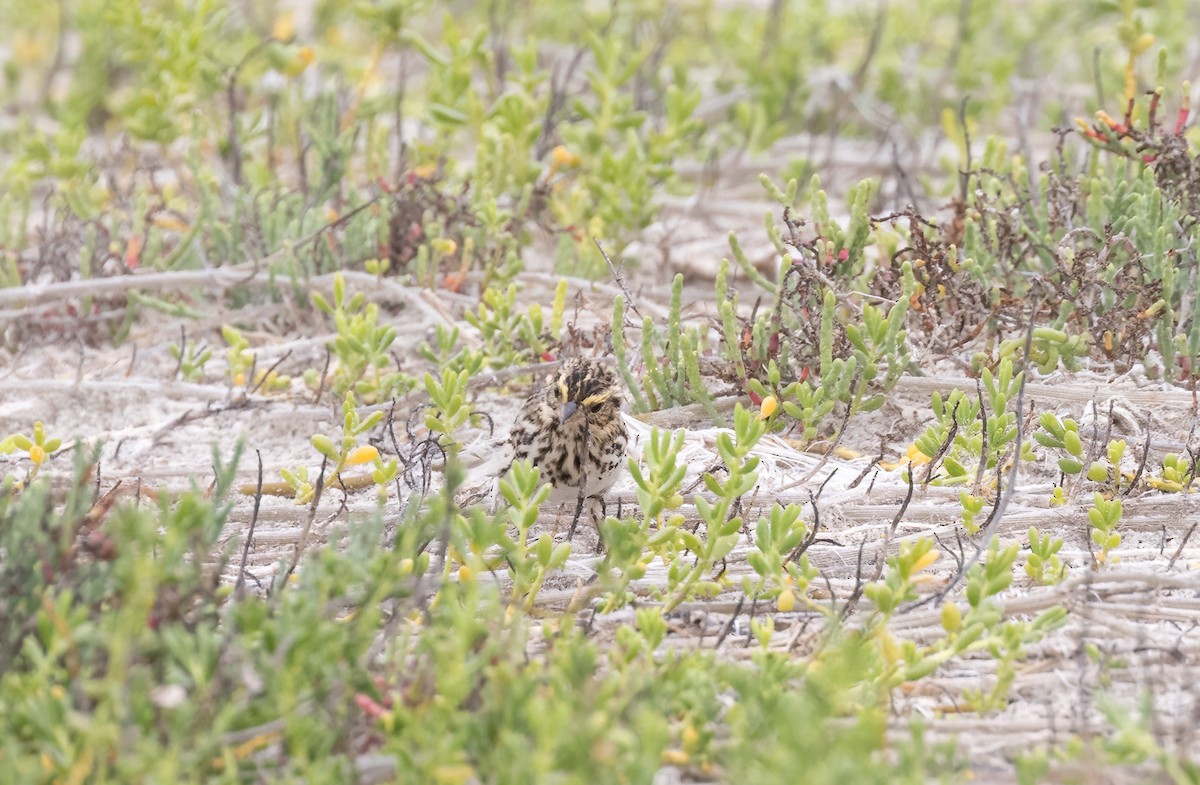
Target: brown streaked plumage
<point>571,429</point>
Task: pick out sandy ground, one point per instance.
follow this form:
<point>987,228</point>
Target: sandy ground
<point>1141,614</point>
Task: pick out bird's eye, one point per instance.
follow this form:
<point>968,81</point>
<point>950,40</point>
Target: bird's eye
<point>596,406</point>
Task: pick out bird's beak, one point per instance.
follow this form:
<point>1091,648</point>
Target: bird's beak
<point>568,411</point>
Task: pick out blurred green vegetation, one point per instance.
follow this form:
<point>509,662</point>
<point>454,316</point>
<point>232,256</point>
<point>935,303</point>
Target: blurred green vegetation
<point>258,121</point>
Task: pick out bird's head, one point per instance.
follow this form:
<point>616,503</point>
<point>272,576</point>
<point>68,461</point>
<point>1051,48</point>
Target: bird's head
<point>588,392</point>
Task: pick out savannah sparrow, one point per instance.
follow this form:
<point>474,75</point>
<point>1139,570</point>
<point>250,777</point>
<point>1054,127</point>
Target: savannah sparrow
<point>571,430</point>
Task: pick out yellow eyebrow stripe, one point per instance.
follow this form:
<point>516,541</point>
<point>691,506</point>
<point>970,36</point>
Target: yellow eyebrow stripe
<point>591,400</point>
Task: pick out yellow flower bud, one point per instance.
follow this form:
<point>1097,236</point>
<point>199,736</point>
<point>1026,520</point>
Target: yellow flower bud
<point>786,601</point>
<point>561,157</point>
<point>170,223</point>
<point>768,407</point>
<point>361,455</point>
<point>299,61</point>
<point>37,454</point>
<point>929,558</point>
<point>444,246</point>
<point>465,574</point>
<point>284,28</point>
<point>915,455</point>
